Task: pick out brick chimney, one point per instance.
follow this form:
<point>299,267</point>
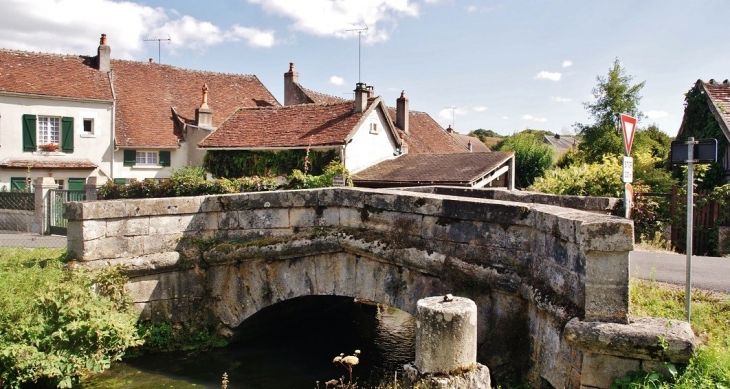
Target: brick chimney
<point>361,96</point>
<point>401,112</point>
<point>203,114</point>
<point>104,54</point>
<point>290,79</point>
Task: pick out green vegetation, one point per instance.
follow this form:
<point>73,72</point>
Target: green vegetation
<point>59,324</point>
<point>595,179</point>
<point>241,163</point>
<point>166,337</point>
<point>614,95</point>
<point>532,156</point>
<point>700,123</point>
<point>710,368</point>
<point>190,181</point>
<point>488,137</point>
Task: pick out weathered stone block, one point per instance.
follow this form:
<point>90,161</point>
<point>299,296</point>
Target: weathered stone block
<point>446,334</point>
<point>639,339</point>
<point>342,197</point>
<point>264,218</point>
<point>127,227</point>
<point>609,303</point>
<point>600,370</point>
<point>606,233</point>
<point>607,267</point>
<point>302,217</point>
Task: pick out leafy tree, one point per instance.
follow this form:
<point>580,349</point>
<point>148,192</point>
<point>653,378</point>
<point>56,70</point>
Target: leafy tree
<point>614,95</point>
<point>488,137</point>
<point>532,156</point>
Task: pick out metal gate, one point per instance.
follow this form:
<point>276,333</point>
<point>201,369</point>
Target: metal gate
<point>56,198</point>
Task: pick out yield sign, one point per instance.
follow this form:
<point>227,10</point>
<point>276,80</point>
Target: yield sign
<point>628,124</point>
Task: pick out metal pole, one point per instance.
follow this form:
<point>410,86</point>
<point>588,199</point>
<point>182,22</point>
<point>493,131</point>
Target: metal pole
<point>690,206</point>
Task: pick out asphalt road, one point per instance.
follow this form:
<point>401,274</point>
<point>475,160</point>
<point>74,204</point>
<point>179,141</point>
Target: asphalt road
<point>709,273</point>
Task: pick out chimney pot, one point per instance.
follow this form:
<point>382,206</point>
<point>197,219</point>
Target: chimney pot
<point>469,146</point>
<point>152,60</point>
<point>103,40</point>
<point>203,114</point>
<point>449,130</point>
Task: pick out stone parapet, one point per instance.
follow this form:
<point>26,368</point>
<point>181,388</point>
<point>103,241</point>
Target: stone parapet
<point>529,267</point>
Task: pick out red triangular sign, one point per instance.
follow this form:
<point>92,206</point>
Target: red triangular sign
<point>628,124</point>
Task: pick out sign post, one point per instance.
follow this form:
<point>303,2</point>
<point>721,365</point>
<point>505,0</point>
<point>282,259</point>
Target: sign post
<point>691,152</point>
<point>628,126</point>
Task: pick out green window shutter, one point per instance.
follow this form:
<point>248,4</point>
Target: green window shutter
<point>29,133</point>
<point>120,181</point>
<point>130,157</point>
<point>17,184</point>
<point>164,158</point>
<point>67,135</point>
<point>76,183</point>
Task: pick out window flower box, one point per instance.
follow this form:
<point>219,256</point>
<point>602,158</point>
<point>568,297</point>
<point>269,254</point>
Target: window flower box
<point>48,147</point>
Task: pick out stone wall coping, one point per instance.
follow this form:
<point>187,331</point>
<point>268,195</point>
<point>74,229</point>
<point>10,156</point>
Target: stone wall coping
<point>604,205</point>
<point>642,338</point>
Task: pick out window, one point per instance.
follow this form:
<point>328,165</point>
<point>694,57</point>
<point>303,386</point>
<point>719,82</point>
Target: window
<point>48,133</point>
<point>60,184</point>
<point>146,158</point>
<point>373,128</point>
<point>88,126</point>
<point>49,130</point>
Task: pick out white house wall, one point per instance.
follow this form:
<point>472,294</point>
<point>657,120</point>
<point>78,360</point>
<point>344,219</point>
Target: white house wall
<point>178,159</point>
<point>367,149</point>
<point>96,148</point>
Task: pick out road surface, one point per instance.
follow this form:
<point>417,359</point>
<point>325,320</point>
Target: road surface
<point>710,273</point>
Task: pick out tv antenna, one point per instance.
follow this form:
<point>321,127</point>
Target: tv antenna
<point>359,32</point>
<point>453,116</point>
<point>159,41</point>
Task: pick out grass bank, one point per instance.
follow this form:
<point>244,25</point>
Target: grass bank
<point>710,368</point>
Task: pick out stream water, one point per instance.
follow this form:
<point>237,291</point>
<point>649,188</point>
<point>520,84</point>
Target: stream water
<point>289,345</point>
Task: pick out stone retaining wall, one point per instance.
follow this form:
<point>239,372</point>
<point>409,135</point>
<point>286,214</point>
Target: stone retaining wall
<point>529,267</point>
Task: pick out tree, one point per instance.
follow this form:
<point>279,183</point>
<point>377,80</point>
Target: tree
<point>532,156</point>
<point>488,137</point>
<point>614,95</point>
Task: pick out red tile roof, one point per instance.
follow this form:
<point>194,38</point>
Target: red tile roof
<point>321,98</point>
<point>476,145</point>
<point>48,163</point>
<point>289,126</point>
<point>719,99</point>
<point>70,76</point>
<point>426,136</point>
<point>147,93</point>
<point>449,169</point>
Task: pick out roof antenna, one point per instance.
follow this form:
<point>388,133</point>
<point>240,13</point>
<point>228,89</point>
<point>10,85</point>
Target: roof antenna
<point>159,40</point>
<point>453,115</point>
<point>359,50</point>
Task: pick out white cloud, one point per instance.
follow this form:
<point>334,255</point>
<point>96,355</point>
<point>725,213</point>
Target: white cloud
<point>534,119</point>
<point>472,8</point>
<point>559,99</point>
<point>480,109</point>
<point>447,113</point>
<point>334,17</point>
<point>74,27</point>
<point>545,75</point>
<point>337,80</point>
<point>656,114</point>
<point>505,117</point>
<point>567,64</point>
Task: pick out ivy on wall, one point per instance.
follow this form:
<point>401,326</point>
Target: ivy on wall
<point>242,163</point>
<point>700,123</point>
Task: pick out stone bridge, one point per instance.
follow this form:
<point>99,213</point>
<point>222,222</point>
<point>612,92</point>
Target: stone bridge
<point>530,266</point>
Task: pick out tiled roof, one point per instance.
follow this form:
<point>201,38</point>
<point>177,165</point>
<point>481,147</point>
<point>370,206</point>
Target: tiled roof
<point>426,136</point>
<point>321,98</point>
<point>48,163</point>
<point>69,76</point>
<point>476,145</point>
<point>148,92</point>
<point>289,126</point>
<point>451,168</point>
<point>719,96</point>
<point>561,143</point>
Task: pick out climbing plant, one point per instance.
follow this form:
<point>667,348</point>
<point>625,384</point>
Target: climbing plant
<point>244,163</point>
<point>700,123</point>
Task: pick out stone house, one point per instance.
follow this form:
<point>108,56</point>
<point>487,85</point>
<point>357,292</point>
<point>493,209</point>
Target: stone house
<point>110,119</point>
<point>364,133</point>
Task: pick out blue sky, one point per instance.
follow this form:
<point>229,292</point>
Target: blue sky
<point>502,65</point>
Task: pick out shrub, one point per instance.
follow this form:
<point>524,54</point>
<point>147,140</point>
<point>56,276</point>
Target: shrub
<point>596,179</point>
<point>57,324</point>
